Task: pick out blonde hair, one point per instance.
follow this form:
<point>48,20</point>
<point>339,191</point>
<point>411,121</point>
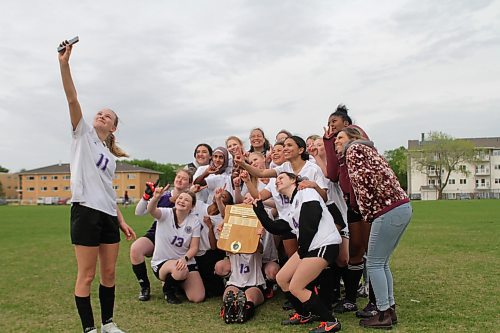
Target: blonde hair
<point>353,133</point>
<point>111,141</point>
<point>235,138</point>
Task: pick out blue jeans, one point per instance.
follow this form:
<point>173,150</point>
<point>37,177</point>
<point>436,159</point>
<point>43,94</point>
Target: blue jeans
<point>385,234</point>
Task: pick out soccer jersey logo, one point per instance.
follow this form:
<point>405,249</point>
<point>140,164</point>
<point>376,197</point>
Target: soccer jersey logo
<point>188,230</point>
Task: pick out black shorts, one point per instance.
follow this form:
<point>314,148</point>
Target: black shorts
<point>261,288</point>
<point>150,234</point>
<point>156,269</point>
<point>352,216</point>
<point>91,227</point>
<point>327,252</point>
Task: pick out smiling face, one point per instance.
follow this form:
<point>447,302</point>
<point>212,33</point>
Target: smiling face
<point>341,141</point>
<point>278,155</point>
<point>291,150</point>
<point>184,202</point>
<point>281,137</point>
<point>202,155</point>
<point>320,146</point>
<point>181,180</point>
<point>257,160</point>
<point>257,139</point>
<point>283,183</point>
<point>234,147</point>
<point>336,124</point>
<point>218,159</point>
<point>105,121</point>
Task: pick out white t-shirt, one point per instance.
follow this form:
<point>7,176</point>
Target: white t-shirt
<point>172,242</point>
<point>246,270</point>
<point>309,171</point>
<point>201,210</point>
<point>327,231</point>
<point>213,181</point>
<point>92,170</point>
<point>281,201</point>
<point>336,196</point>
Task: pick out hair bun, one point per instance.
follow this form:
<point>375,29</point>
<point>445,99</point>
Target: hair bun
<point>342,108</point>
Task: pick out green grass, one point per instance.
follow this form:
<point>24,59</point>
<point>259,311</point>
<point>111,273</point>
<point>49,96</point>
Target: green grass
<point>446,273</point>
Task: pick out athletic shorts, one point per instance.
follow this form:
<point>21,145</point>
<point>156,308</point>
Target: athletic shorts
<point>150,234</point>
<point>261,287</point>
<point>327,252</point>
<point>91,227</point>
<point>156,269</point>
<point>353,217</point>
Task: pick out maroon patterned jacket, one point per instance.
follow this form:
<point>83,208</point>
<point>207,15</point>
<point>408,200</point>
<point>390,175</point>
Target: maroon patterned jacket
<point>375,185</point>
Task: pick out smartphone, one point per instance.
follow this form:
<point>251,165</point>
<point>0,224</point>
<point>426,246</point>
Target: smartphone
<point>70,42</point>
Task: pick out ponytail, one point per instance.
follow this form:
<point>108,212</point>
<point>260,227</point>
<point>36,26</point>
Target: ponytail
<point>113,148</point>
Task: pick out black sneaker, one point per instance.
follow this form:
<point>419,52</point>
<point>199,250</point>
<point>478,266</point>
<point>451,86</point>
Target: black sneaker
<point>345,306</point>
<point>172,298</point>
<point>327,326</point>
<point>369,311</point>
<point>239,305</point>
<point>298,319</point>
<point>145,294</point>
<point>227,311</point>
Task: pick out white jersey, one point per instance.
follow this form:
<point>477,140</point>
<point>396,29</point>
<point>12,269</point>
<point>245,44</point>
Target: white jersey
<point>260,187</point>
<point>309,171</point>
<point>246,270</point>
<point>92,170</point>
<point>213,182</point>
<point>201,210</point>
<point>327,232</point>
<point>172,242</point>
<point>281,201</point>
<point>336,196</point>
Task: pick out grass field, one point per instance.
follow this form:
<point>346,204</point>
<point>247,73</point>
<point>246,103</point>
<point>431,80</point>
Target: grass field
<point>446,273</point>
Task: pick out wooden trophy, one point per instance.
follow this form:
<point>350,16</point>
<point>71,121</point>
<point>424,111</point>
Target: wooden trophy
<point>239,233</point>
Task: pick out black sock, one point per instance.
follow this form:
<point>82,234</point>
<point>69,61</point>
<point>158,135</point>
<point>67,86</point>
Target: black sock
<point>296,303</point>
<point>351,281</point>
<point>249,310</point>
<point>107,300</point>
<point>168,286</point>
<point>141,273</point>
<point>327,286</point>
<point>316,306</point>
<point>371,294</point>
<point>338,272</point>
<point>84,308</point>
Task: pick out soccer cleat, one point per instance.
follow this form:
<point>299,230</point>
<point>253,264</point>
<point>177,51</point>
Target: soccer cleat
<point>345,306</point>
<point>171,298</point>
<point>327,326</point>
<point>145,294</point>
<point>363,290</point>
<point>111,328</point>
<point>227,311</point>
<point>91,331</point>
<point>298,319</point>
<point>369,311</point>
<point>239,305</point>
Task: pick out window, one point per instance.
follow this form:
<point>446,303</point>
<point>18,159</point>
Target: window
<point>131,187</point>
<point>116,187</point>
<point>496,152</point>
<point>55,188</point>
<point>43,177</point>
<point>451,181</point>
<point>497,166</point>
<point>66,188</point>
<point>116,176</point>
<point>463,181</point>
<point>66,177</point>
<point>43,188</point>
<point>462,168</point>
<point>432,182</point>
<point>130,176</point>
<point>31,189</point>
<point>31,177</point>
<point>53,177</point>
<point>497,180</point>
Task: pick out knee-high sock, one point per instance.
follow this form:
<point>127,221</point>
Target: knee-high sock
<point>141,273</point>
<point>84,308</point>
<point>297,304</point>
<point>107,300</point>
<point>327,286</point>
<point>352,278</point>
<point>316,306</point>
<point>249,310</point>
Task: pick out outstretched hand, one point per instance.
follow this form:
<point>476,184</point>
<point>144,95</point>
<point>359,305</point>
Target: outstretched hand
<point>328,134</point>
<point>65,55</point>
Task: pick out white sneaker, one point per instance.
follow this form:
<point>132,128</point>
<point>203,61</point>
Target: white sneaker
<point>111,328</point>
<point>93,331</point>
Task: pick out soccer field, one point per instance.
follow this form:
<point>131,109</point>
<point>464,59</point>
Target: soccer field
<point>446,275</point>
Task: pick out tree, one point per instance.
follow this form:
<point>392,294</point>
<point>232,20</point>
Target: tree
<point>441,154</point>
<point>2,169</point>
<point>398,160</point>
<point>168,170</point>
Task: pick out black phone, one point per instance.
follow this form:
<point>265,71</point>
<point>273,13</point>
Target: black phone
<point>70,42</point>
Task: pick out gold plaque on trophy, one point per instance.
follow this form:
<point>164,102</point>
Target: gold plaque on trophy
<point>239,233</point>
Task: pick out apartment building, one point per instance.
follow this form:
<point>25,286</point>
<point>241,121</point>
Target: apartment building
<point>482,180</point>
<point>10,185</point>
<point>51,184</point>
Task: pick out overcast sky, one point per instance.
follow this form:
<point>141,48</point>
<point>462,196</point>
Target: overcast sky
<point>183,72</point>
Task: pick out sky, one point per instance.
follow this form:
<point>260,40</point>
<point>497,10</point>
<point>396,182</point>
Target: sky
<point>179,73</point>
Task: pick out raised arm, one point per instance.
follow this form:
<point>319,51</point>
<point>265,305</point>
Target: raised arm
<point>153,203</point>
<point>75,112</point>
<point>256,172</point>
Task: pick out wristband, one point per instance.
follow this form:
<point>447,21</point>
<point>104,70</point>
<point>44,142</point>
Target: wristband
<point>344,234</point>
